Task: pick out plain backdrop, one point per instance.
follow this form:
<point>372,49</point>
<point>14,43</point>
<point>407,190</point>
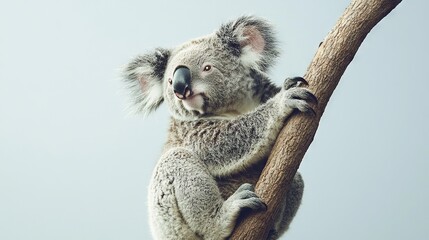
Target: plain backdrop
<point>75,165</point>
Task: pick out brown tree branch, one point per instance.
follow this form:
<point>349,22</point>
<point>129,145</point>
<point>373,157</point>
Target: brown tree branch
<point>323,75</point>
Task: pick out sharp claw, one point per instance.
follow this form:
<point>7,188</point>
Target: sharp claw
<point>313,98</point>
<point>300,80</point>
<point>294,82</point>
<point>311,112</point>
<point>265,207</point>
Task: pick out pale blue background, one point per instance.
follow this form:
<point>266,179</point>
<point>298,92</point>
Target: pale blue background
<point>75,165</point>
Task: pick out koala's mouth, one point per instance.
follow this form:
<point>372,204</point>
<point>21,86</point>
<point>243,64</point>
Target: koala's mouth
<point>195,102</point>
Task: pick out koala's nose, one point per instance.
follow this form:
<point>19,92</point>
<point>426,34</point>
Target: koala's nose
<point>182,82</point>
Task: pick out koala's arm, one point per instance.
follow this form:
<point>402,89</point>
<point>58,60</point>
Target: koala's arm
<point>230,145</point>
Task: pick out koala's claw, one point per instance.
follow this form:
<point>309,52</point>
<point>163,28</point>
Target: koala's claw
<point>294,82</point>
<point>307,96</point>
<point>310,111</point>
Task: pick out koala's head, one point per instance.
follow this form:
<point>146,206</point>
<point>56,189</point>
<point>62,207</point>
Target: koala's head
<point>209,76</point>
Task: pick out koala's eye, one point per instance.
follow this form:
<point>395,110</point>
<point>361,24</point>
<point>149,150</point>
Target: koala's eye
<point>207,68</point>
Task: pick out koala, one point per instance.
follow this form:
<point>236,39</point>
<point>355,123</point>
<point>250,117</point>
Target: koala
<point>225,116</point>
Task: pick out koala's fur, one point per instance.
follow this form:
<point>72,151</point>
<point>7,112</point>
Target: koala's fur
<point>221,134</point>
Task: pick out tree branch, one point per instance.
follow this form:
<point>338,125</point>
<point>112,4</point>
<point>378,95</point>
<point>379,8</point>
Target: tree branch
<point>323,75</point>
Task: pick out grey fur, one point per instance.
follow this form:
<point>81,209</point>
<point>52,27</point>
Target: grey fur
<point>219,139</point>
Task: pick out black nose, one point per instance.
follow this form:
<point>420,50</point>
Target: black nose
<point>182,82</point>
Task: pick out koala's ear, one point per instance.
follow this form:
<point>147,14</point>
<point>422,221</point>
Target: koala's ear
<point>252,40</point>
<point>144,76</point>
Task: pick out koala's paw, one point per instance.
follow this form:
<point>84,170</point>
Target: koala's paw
<point>245,197</point>
<point>297,97</point>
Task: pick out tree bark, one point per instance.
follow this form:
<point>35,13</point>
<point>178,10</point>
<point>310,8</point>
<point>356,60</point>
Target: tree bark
<point>328,65</point>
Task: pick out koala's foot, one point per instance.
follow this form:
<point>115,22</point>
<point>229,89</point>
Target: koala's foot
<point>244,197</point>
<point>297,97</point>
<point>289,208</point>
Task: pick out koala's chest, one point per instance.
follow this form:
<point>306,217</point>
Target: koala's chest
<point>195,135</point>
<point>205,139</point>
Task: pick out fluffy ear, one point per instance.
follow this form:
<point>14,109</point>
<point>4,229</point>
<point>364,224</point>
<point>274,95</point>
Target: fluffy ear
<point>252,40</point>
<point>144,76</point>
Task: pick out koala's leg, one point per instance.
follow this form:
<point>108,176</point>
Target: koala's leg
<point>204,214</point>
<point>291,205</point>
